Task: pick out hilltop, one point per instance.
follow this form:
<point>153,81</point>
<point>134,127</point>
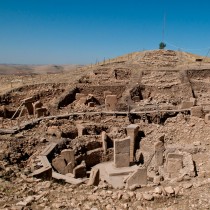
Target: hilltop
<point>159,59</point>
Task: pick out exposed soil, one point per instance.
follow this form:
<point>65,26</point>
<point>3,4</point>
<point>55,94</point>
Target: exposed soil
<point>156,90</point>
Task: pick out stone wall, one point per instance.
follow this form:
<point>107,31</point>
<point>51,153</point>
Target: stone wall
<point>98,91</point>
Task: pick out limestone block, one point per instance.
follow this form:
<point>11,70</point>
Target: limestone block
<point>45,162</point>
<point>67,178</point>
<point>122,160</point>
<point>159,151</point>
<point>169,190</point>
<point>189,168</point>
<point>29,108</point>
<point>80,171</point>
<point>138,177</point>
<point>80,129</point>
<point>91,104</point>
<point>207,118</point>
<point>174,165</point>
<point>49,149</point>
<point>197,111</point>
<point>79,96</point>
<point>43,173</point>
<point>104,141</point>
<point>111,102</point>
<point>174,162</point>
<point>69,168</point>
<point>174,155</point>
<point>122,145</point>
<point>59,164</point>
<point>107,92</point>
<point>94,177</point>
<point>41,112</point>
<point>37,104</point>
<point>28,100</point>
<point>136,98</point>
<point>68,155</point>
<point>93,157</point>
<point>186,104</point>
<point>132,131</point>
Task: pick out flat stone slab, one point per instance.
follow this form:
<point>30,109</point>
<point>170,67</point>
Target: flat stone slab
<point>45,162</point>
<point>114,176</point>
<point>7,131</point>
<point>113,171</point>
<point>132,126</point>
<point>68,179</point>
<point>44,172</point>
<point>48,149</point>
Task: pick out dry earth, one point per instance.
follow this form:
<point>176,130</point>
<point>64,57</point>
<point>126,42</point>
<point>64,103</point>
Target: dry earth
<point>165,93</point>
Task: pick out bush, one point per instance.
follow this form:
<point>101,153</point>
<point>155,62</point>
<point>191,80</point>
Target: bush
<point>162,45</point>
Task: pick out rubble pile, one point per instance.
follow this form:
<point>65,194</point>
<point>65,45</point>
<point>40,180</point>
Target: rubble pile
<point>161,58</point>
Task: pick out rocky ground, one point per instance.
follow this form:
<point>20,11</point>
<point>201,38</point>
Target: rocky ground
<point>19,192</point>
<point>165,86</point>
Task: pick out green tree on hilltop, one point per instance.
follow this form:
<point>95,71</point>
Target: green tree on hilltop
<point>162,45</point>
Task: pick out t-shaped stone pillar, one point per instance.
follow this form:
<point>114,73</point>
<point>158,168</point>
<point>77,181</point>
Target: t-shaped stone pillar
<point>159,151</point>
<point>28,104</point>
<point>132,131</point>
<point>121,152</point>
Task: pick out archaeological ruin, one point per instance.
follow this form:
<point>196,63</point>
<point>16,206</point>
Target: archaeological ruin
<point>135,126</point>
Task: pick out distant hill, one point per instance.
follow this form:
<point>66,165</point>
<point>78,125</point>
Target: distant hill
<point>7,69</point>
<point>154,59</point>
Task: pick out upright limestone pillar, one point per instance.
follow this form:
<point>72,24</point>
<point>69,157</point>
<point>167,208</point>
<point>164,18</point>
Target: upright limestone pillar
<point>122,152</point>
<point>132,131</point>
<point>159,151</point>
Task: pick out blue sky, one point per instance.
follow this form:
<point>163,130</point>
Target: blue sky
<point>83,31</point>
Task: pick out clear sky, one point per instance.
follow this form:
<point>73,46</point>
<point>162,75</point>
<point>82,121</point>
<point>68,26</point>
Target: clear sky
<point>83,31</point>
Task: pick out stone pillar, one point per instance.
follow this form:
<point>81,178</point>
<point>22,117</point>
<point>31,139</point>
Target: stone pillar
<point>69,168</point>
<point>107,92</point>
<point>30,108</point>
<point>80,129</point>
<point>174,164</point>
<point>80,170</point>
<point>104,141</point>
<point>36,105</point>
<point>59,164</point>
<point>94,177</point>
<point>91,104</point>
<point>28,104</point>
<point>41,112</point>
<point>132,131</point>
<point>68,155</point>
<point>138,177</point>
<point>207,118</point>
<point>159,150</point>
<point>122,152</point>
